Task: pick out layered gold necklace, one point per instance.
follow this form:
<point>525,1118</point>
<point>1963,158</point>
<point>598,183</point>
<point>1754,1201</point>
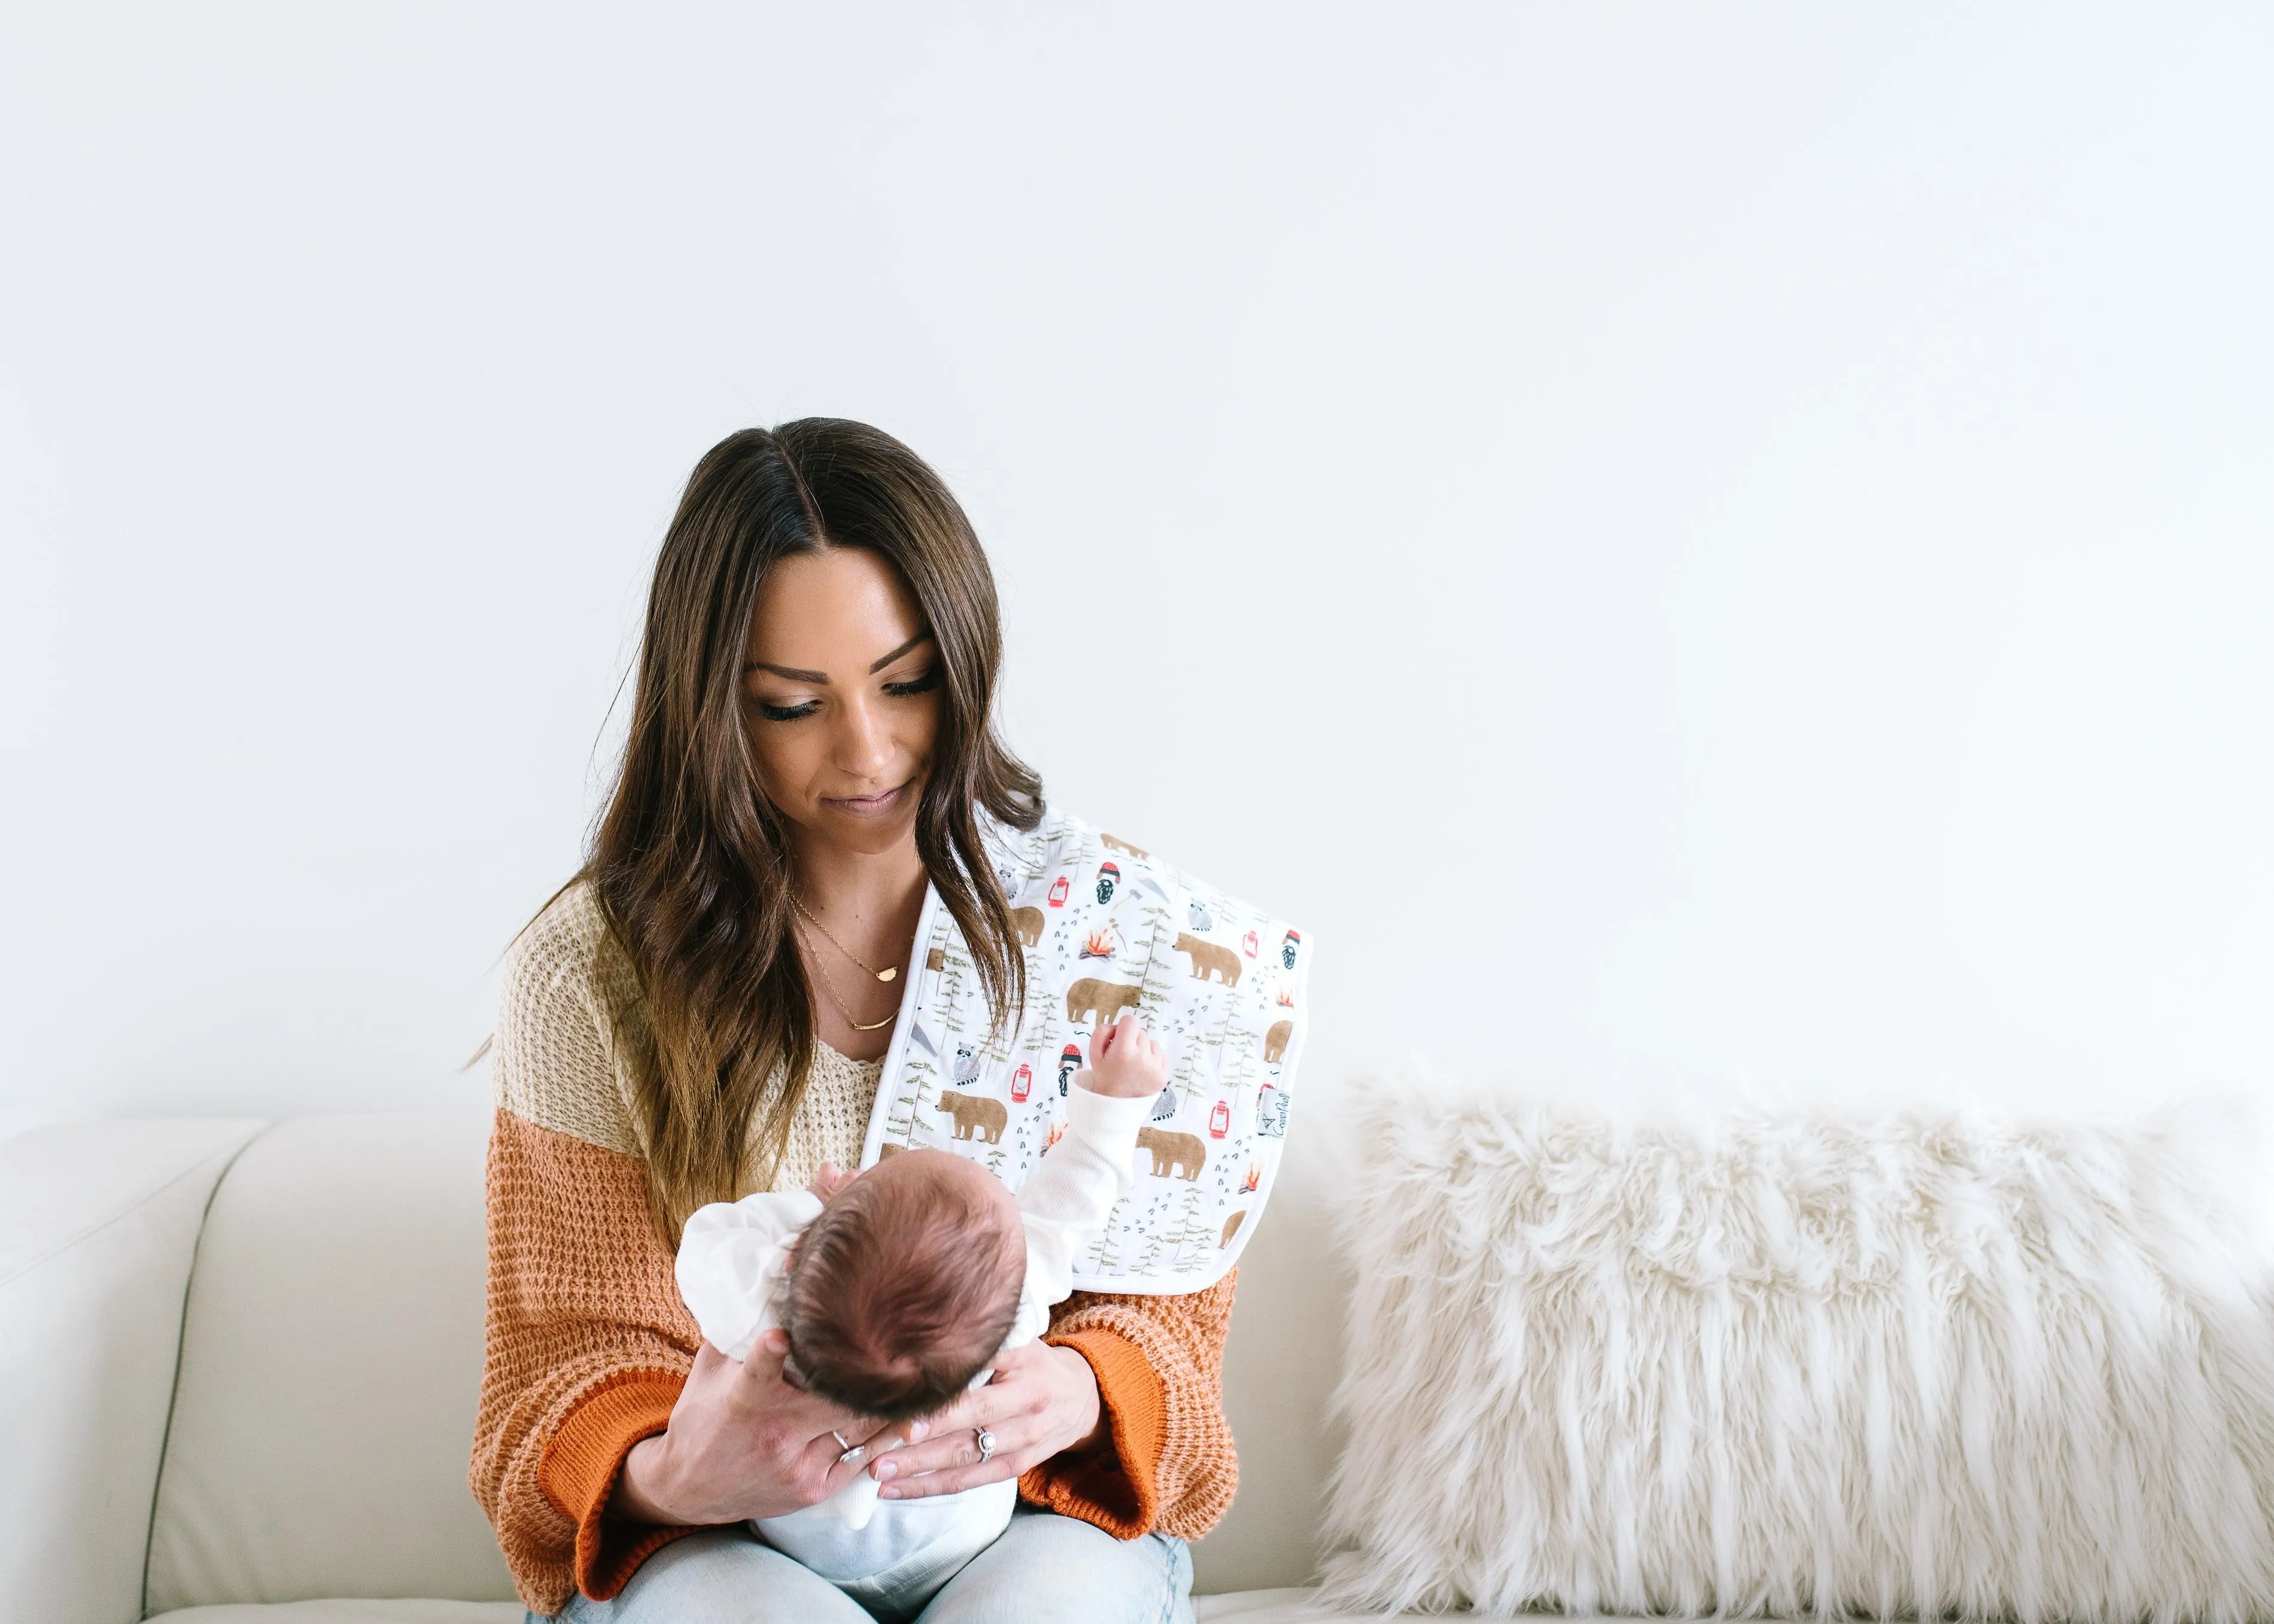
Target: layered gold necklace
<point>828,983</point>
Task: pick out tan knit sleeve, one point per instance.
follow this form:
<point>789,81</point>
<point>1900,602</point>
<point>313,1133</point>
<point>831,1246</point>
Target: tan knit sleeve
<point>1159,1364</point>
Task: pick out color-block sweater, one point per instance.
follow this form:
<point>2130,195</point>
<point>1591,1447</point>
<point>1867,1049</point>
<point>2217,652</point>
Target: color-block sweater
<point>588,1344</point>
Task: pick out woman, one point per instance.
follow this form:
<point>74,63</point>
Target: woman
<point>703,1012</point>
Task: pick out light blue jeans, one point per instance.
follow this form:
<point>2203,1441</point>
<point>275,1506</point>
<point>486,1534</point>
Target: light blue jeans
<point>1044,1568</point>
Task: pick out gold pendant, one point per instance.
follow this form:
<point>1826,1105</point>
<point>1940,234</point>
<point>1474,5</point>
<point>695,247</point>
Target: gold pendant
<point>888,973</point>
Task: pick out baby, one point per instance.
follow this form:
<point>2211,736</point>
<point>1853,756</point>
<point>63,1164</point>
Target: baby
<point>896,1293</point>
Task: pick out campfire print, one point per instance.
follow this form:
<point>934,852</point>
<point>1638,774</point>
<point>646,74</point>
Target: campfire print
<point>1104,927</point>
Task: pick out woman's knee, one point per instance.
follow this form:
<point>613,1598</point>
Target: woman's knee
<point>723,1574</point>
<point>1047,1567</point>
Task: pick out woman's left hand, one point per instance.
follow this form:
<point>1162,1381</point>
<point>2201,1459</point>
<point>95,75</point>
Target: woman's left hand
<point>1043,1401</point>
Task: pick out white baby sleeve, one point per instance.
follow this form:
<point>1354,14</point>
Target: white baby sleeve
<point>1067,1198</point>
<point>732,1257</point>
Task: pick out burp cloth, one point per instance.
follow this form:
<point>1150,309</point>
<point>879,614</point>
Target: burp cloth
<point>1106,926</point>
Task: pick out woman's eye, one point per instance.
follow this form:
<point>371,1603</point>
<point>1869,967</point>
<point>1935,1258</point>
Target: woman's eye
<point>787,713</point>
<point>923,684</point>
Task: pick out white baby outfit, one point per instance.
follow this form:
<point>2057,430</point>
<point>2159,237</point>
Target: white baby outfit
<point>733,1257</point>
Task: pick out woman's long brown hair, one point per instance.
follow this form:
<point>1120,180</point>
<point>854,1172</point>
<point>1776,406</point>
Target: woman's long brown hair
<point>690,862</point>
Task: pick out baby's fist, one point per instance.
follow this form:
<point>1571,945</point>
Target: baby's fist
<point>1125,1061</point>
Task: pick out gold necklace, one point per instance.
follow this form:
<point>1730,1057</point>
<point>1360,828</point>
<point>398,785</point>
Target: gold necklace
<point>830,987</point>
<point>885,974</point>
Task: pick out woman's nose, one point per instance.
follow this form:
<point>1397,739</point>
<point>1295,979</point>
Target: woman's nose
<point>865,744</point>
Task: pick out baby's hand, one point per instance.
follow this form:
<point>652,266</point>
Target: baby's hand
<point>1124,1063</point>
<point>828,1181</point>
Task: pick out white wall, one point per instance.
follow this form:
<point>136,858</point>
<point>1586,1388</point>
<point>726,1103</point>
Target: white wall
<point>1759,521</point>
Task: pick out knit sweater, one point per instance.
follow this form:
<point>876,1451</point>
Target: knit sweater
<point>588,1344</point>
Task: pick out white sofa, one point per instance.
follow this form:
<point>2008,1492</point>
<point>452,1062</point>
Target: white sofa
<point>240,1362</point>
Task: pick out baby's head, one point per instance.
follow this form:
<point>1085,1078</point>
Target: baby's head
<point>906,1286</point>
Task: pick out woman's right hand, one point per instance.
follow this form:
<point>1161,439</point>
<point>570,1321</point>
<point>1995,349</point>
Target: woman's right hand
<point>742,1443</point>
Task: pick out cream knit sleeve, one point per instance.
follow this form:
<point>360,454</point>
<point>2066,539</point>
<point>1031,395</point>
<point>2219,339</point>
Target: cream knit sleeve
<point>556,1062</point>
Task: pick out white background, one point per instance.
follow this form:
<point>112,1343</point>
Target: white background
<point>1705,552</point>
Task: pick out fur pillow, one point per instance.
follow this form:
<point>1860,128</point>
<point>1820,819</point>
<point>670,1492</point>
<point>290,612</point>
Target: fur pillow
<point>1935,1366</point>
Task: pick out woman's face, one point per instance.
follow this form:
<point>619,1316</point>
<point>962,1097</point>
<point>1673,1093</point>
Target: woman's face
<point>841,690</point>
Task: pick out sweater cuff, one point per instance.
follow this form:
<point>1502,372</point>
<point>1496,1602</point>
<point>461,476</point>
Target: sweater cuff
<point>578,1471</point>
<point>1115,1488</point>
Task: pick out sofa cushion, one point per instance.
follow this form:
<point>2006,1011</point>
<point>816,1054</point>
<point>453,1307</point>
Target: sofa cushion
<point>331,1353</point>
<point>1279,1369</point>
<point>98,1228</point>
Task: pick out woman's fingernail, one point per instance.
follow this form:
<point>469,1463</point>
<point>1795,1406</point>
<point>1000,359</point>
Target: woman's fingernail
<point>921,1431</point>
<point>888,1493</point>
<point>885,1469</point>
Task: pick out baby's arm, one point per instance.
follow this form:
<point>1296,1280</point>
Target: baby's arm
<point>732,1256</point>
<point>1068,1198</point>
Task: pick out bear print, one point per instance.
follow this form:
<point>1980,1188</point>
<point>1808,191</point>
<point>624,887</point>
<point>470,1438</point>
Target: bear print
<point>1275,1042</point>
<point>1209,959</point>
<point>1232,1228</point>
<point>1123,845</point>
<point>976,1115</point>
<point>1028,923</point>
<point>1175,1156</point>
<point>1104,999</point>
<point>889,1150</point>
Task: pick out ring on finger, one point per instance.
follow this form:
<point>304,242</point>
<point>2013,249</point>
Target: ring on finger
<point>986,1444</point>
<point>855,1454</point>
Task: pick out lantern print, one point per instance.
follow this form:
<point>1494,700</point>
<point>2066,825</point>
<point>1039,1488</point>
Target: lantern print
<point>1249,945</point>
<point>1022,1083</point>
<point>1220,1119</point>
<point>1059,887</point>
<point>1109,875</point>
<point>1069,1063</point>
<point>1293,940</point>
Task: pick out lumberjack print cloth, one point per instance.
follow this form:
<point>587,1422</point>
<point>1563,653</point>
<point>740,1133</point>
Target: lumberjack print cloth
<point>1104,928</point>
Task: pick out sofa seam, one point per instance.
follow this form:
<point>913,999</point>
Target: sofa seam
<point>125,1213</point>
<point>181,1340</point>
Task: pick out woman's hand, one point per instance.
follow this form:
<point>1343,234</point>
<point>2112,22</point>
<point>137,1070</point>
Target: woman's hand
<point>1043,1401</point>
<point>742,1443</point>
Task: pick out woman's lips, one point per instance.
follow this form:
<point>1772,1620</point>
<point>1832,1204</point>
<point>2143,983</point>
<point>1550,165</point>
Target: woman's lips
<point>867,806</point>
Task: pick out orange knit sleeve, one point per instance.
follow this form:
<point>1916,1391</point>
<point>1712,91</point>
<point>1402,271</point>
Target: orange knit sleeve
<point>587,1347</point>
<point>1159,1364</point>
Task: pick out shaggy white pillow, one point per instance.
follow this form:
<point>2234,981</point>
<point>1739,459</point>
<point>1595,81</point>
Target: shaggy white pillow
<point>1787,1365</point>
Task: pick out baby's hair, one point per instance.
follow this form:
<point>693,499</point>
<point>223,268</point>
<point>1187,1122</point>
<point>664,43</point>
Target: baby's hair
<point>902,1289</point>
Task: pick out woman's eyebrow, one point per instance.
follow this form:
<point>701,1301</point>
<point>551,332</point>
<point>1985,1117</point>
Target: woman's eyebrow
<point>822,677</point>
<point>921,637</point>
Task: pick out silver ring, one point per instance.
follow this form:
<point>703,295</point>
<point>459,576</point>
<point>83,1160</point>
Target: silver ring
<point>843,1442</point>
<point>986,1444</point>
